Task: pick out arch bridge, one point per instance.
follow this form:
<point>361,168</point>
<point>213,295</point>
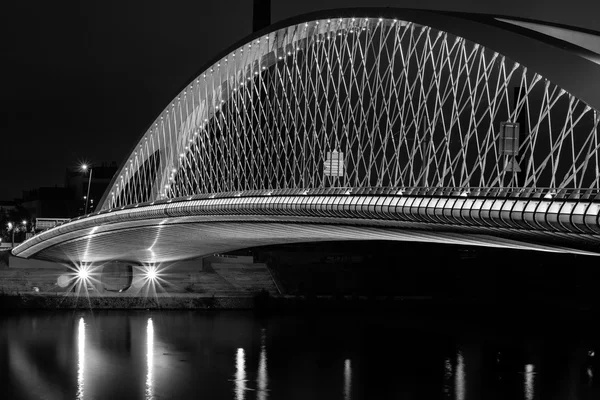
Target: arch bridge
<point>358,125</point>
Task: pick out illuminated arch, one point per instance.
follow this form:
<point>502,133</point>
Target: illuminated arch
<point>408,105</point>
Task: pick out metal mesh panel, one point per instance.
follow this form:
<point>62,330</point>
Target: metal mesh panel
<point>403,105</point>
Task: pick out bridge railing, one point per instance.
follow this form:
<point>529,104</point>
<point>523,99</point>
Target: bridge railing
<point>573,194</point>
<point>540,209</point>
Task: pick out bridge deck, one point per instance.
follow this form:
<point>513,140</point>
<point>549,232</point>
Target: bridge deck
<point>194,227</point>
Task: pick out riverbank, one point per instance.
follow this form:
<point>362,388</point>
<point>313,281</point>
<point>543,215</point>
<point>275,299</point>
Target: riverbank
<point>176,301</point>
<point>424,306</point>
<point>167,302</point>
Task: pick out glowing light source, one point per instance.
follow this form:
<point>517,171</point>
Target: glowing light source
<point>83,273</point>
<point>151,273</point>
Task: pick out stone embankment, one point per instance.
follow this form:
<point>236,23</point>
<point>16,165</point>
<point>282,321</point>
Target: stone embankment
<point>47,301</point>
<point>262,301</point>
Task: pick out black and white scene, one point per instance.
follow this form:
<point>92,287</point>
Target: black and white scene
<point>318,199</point>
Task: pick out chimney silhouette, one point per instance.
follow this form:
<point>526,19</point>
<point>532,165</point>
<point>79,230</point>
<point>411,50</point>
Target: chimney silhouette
<point>261,14</point>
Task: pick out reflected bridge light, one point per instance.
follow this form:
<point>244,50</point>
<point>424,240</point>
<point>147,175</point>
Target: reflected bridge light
<point>529,381</point>
<point>460,378</point>
<point>80,358</point>
<point>347,379</point>
<point>240,375</point>
<point>262,376</point>
<point>149,359</point>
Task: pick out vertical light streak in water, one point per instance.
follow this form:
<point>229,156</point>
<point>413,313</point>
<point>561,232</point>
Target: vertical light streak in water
<point>590,369</point>
<point>347,379</point>
<point>262,378</point>
<point>529,375</point>
<point>240,375</point>
<point>149,359</point>
<point>447,376</point>
<point>460,378</point>
<point>80,357</point>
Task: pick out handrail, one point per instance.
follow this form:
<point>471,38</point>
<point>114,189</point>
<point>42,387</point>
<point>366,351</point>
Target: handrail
<point>408,191</point>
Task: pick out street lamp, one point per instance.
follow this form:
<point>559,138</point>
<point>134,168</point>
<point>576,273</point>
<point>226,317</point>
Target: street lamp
<point>11,227</point>
<point>84,168</point>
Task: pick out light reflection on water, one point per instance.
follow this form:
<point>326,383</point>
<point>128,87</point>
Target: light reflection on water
<point>460,379</point>
<point>262,378</point>
<point>447,376</point>
<point>529,376</point>
<point>347,379</point>
<point>80,358</point>
<point>170,355</point>
<point>149,359</point>
<point>240,375</point>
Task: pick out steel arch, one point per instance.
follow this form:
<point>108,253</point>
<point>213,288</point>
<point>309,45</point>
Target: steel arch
<point>406,104</point>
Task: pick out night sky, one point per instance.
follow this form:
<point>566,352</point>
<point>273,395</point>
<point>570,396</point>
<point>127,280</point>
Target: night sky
<point>81,81</point>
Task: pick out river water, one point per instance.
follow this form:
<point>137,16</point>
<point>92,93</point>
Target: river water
<point>237,355</point>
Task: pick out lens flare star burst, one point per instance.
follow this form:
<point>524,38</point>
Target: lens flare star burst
<point>83,280</point>
<point>150,281</point>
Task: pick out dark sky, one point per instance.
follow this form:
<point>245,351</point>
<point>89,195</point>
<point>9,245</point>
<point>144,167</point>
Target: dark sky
<point>82,80</point>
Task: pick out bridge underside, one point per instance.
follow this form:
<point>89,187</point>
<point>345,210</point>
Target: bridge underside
<point>171,231</point>
<point>184,239</point>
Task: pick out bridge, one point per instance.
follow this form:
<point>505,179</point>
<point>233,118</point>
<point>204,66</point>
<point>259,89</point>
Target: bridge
<point>362,124</point>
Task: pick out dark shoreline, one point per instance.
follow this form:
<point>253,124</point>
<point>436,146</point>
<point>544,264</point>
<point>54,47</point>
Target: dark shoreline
<point>481,309</point>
